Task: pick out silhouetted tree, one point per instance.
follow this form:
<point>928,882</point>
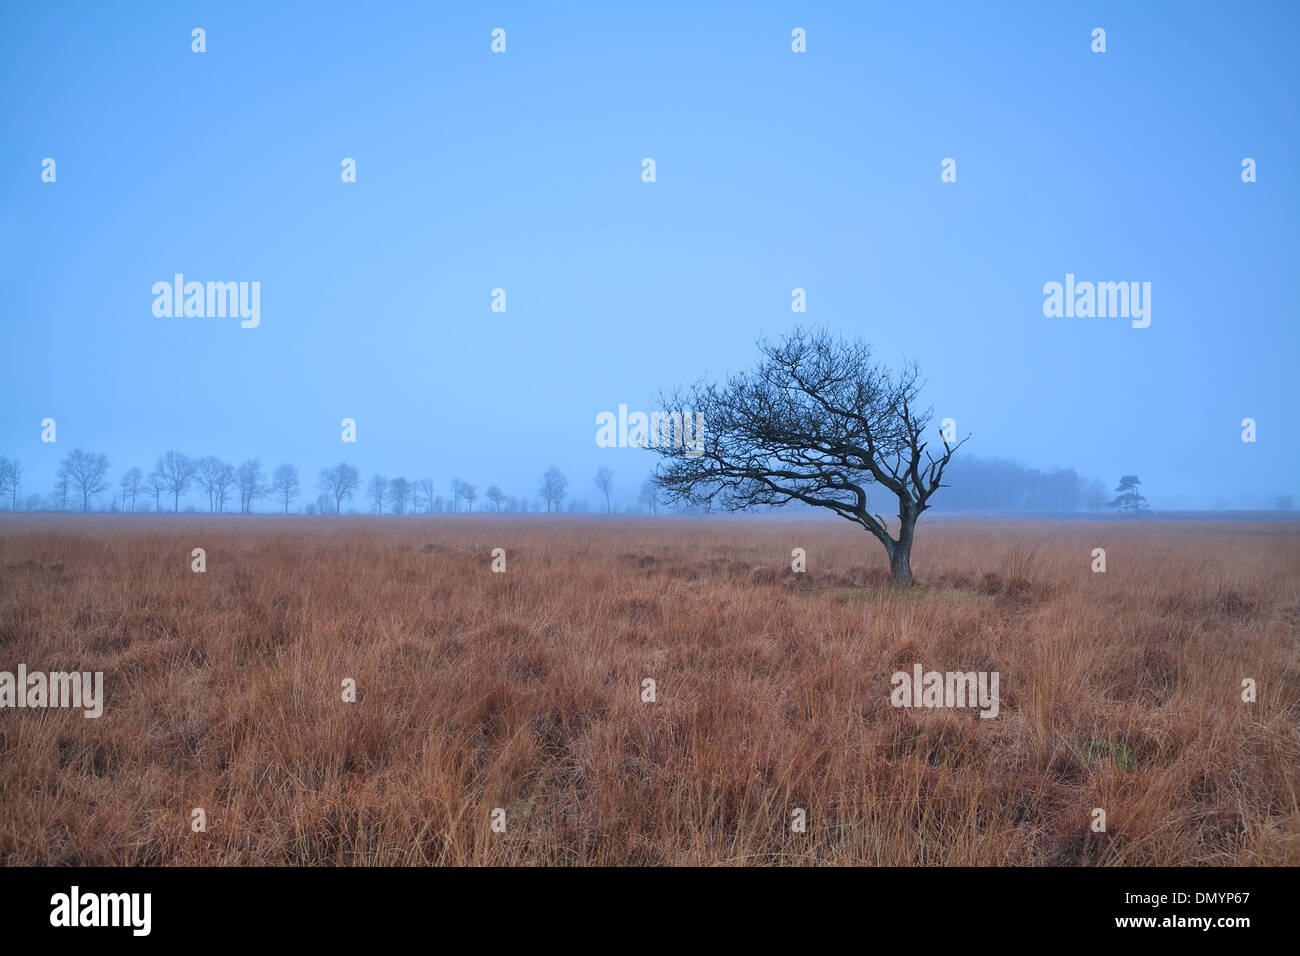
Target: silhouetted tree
<point>378,492</point>
<point>286,484</point>
<point>86,473</point>
<point>10,474</point>
<point>399,491</point>
<point>208,472</point>
<point>554,486</point>
<point>251,484</point>
<point>1128,498</point>
<point>462,490</point>
<point>130,486</point>
<point>225,481</point>
<point>496,496</point>
<point>605,482</point>
<point>155,487</point>
<point>340,482</point>
<point>425,491</point>
<point>817,422</point>
<point>175,471</point>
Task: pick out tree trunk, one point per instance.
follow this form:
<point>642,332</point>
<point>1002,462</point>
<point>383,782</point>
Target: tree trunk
<point>900,565</point>
<point>900,555</point>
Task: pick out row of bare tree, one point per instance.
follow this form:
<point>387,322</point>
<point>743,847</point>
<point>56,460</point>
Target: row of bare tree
<point>84,476</point>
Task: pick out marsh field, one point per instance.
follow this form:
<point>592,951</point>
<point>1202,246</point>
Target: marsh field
<point>481,691</point>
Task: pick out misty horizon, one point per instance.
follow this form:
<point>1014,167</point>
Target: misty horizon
<point>474,277</point>
<point>988,493</point>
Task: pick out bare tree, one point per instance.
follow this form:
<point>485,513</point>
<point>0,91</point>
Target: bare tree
<point>130,486</point>
<point>554,486</point>
<point>605,482</point>
<point>650,495</point>
<point>426,492</point>
<point>87,474</point>
<point>462,490</point>
<point>286,485</point>
<point>208,471</point>
<point>225,481</point>
<point>378,491</point>
<point>251,484</point>
<point>496,496</point>
<point>155,487</point>
<point>11,471</point>
<point>399,492</point>
<point>817,422</point>
<point>340,482</point>
<point>176,472</point>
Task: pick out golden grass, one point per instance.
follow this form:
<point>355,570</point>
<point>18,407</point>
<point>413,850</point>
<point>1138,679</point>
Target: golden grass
<point>521,691</point>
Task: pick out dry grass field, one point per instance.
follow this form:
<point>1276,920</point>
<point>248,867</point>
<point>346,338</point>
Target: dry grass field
<point>522,690</point>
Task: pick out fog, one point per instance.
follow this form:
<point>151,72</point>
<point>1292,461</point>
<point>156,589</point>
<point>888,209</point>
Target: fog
<point>773,172</point>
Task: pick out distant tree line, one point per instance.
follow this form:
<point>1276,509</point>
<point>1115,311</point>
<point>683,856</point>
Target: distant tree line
<point>83,483</point>
<point>998,484</point>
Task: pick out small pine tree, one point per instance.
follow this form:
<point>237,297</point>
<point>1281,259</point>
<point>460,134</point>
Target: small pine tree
<point>1127,497</point>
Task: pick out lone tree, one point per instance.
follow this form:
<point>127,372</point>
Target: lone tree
<point>818,421</point>
<point>1127,497</point>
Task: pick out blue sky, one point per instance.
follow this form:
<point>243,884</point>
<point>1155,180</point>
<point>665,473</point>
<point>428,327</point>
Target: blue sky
<point>522,171</point>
